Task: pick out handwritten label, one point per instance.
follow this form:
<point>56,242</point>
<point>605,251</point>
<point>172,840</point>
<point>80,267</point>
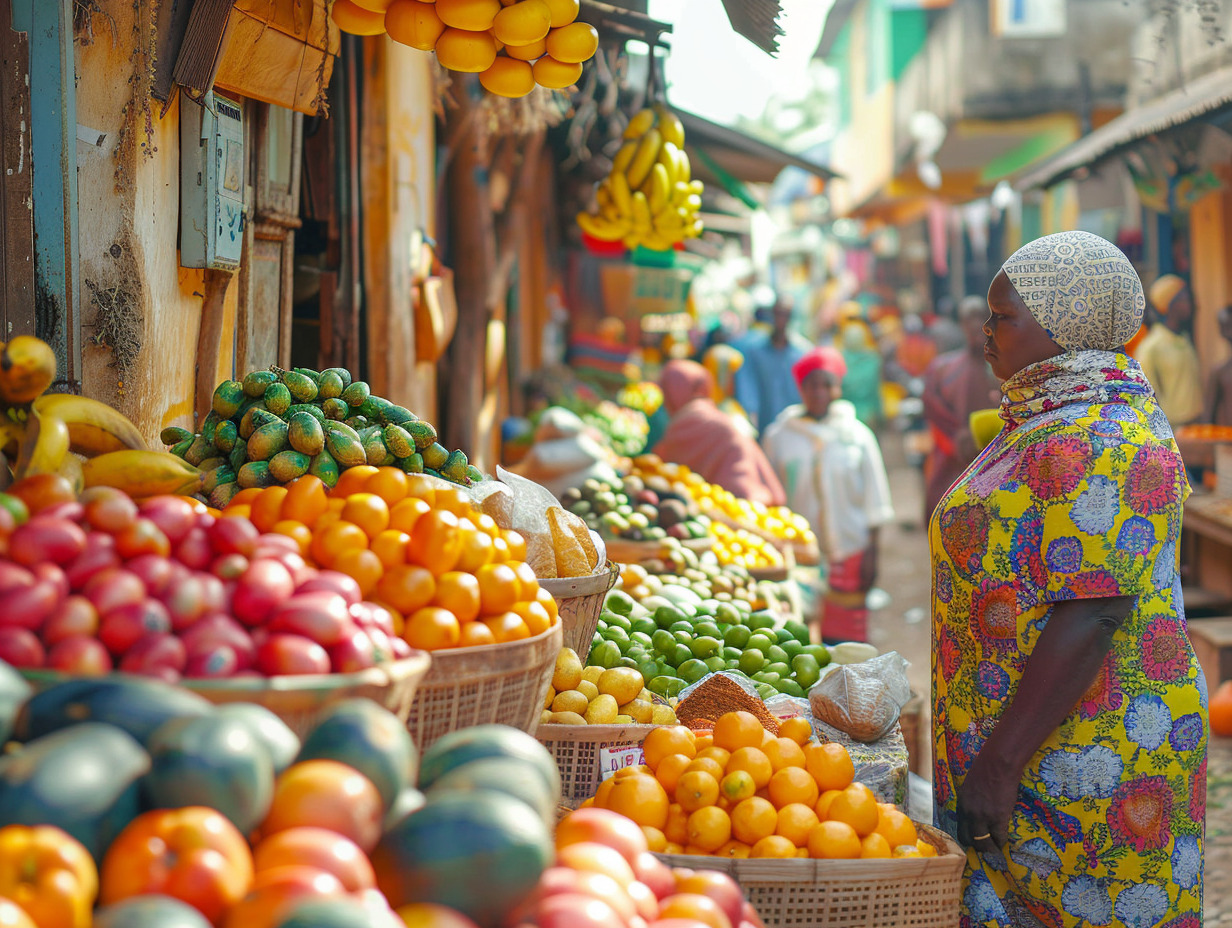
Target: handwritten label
<point>618,757</point>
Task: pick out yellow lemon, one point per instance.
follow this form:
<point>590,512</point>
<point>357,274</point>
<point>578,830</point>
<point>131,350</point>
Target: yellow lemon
<point>528,52</point>
<point>414,23</point>
<point>555,75</point>
<point>471,15</point>
<point>357,20</point>
<point>573,43</point>
<point>508,77</point>
<point>568,672</point>
<point>570,701</point>
<point>622,682</point>
<point>602,711</point>
<point>461,50</point>
<point>587,689</point>
<point>524,22</point>
<point>563,13</point>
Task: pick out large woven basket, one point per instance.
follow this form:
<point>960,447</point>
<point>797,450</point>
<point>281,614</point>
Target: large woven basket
<point>579,600</point>
<point>503,683</point>
<point>575,748</point>
<point>299,700</point>
<point>910,892</point>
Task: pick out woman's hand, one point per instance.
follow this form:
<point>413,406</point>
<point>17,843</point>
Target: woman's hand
<point>986,801</point>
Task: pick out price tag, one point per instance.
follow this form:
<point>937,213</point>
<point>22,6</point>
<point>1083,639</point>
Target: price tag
<point>618,757</point>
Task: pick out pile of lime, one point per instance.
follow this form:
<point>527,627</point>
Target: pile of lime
<point>679,644</point>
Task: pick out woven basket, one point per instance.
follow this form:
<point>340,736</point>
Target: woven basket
<point>909,892</point>
<point>504,683</point>
<point>299,700</point>
<point>575,748</point>
<point>579,601</point>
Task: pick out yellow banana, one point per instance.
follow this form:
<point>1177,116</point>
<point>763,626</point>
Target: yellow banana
<point>669,223</point>
<point>693,202</point>
<point>624,156</point>
<point>142,473</point>
<point>659,186</point>
<point>697,187</point>
<point>680,192</point>
<point>609,212</point>
<point>621,195</point>
<point>641,211</point>
<point>669,126</point>
<point>597,227</point>
<point>694,230</point>
<point>43,447</point>
<point>93,427</point>
<point>657,242</point>
<point>647,153</point>
<point>667,158</point>
<point>684,170</point>
<point>640,124</point>
<point>632,240</point>
<point>602,196</point>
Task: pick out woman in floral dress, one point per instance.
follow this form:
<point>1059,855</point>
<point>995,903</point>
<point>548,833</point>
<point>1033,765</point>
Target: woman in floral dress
<point>1069,712</point>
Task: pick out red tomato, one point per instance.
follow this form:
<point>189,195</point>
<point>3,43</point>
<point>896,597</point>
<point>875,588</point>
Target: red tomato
<point>46,539</point>
<point>75,615</point>
<point>100,553</point>
<point>602,827</point>
<point>13,576</point>
<point>322,617</point>
<point>121,629</point>
<point>29,607</point>
<point>220,630</point>
<point>719,887</point>
<point>332,581</point>
<point>113,587</point>
<point>281,654</point>
<point>108,509</point>
<point>21,647</point>
<point>234,536</point>
<point>79,655</point>
<point>330,795</point>
<point>142,537</point>
<point>597,858</point>
<point>277,891</point>
<point>263,586</point>
<point>574,910</point>
<point>354,653</point>
<point>173,515</point>
<point>320,849</point>
<point>156,655</point>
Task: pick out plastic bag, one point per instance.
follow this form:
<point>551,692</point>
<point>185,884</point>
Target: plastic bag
<point>863,699</point>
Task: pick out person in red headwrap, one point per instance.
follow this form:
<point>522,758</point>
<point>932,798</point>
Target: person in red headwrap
<point>708,440</point>
<point>830,465</point>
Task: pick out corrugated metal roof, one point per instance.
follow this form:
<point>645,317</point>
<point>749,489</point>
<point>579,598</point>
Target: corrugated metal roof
<point>1201,96</point>
<point>757,21</point>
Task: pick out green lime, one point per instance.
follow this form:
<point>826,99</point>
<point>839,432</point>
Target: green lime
<point>684,638</point>
<point>617,634</point>
<point>782,668</point>
<point>763,619</point>
<point>681,655</point>
<point>604,654</point>
<point>692,670</point>
<point>752,661</point>
<point>806,669</point>
<point>782,635</point>
<point>619,602</point>
<point>798,630</point>
<point>716,663</point>
<point>737,637</point>
<point>665,686</point>
<point>727,614</point>
<point>17,507</point>
<point>648,669</point>
<point>665,669</point>
<point>688,610</point>
<point>645,625</point>
<point>776,654</point>
<point>705,646</point>
<point>682,626</point>
<point>627,662</point>
<point>819,652</point>
<point>761,643</point>
<point>707,629</point>
<point>790,688</point>
<point>666,616</point>
<point>619,621</point>
<point>766,691</point>
<point>664,641</point>
<point>641,638</point>
<point>731,665</point>
<point>709,607</point>
<point>766,676</point>
<point>731,654</point>
<point>791,647</point>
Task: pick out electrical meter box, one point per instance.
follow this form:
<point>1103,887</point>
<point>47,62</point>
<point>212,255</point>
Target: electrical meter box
<point>212,160</point>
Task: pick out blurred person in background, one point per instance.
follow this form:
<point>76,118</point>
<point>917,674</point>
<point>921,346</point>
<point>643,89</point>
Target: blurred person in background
<point>764,385</point>
<point>1167,355</point>
<point>831,467</point>
<point>1219,407</point>
<point>956,384</point>
<point>862,384</point>
<point>723,361</point>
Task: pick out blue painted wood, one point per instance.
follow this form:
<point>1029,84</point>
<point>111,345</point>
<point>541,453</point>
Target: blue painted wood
<point>53,137</point>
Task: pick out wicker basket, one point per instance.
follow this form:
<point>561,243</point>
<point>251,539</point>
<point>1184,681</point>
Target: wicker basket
<point>299,700</point>
<point>911,892</point>
<point>579,601</point>
<point>503,683</point>
<point>575,748</point>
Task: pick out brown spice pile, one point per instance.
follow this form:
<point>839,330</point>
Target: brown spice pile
<point>719,695</point>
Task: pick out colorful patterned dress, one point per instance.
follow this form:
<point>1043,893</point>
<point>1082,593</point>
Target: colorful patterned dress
<point>1079,496</point>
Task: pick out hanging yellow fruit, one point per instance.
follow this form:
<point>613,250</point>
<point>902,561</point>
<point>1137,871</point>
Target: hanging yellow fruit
<point>531,52</point>
<point>556,75</point>
<point>524,22</point>
<point>508,77</point>
<point>563,12</point>
<point>414,23</point>
<point>462,50</point>
<point>471,15</point>
<point>357,20</point>
<point>574,43</point>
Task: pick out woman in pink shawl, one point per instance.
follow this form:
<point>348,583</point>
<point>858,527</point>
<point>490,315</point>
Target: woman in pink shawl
<point>708,441</point>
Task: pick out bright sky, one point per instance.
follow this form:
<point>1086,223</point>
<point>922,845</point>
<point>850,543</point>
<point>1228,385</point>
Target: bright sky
<point>720,75</point>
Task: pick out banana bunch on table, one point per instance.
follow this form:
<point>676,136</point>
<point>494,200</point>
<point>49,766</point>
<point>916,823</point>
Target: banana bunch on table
<point>649,198</point>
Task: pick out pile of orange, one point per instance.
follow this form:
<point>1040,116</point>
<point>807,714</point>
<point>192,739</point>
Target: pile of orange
<point>741,792</point>
<point>449,574</point>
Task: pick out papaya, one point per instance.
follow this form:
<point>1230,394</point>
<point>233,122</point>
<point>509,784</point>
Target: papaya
<point>256,383</point>
<point>14,691</point>
<point>413,464</point>
<point>433,855</point>
<point>150,912</point>
<point>399,441</point>
<point>356,394</point>
<point>399,415</point>
<point>271,732</point>
<point>285,466</point>
<point>228,396</point>
<point>222,494</point>
<point>181,449</point>
<point>374,408</point>
<point>277,398</point>
<point>224,473</point>
<point>455,466</point>
<point>506,775</point>
<point>363,735</point>
<point>343,374</point>
<point>256,417</point>
<point>239,454</point>
<point>310,408</point>
<point>331,386</point>
<point>254,474</point>
<point>198,451</point>
<point>212,760</point>
<point>267,441</point>
<point>374,449</point>
<point>314,376</point>
<point>335,409</point>
<point>324,468</point>
<point>408,801</point>
<point>137,705</point>
<point>173,435</point>
<point>84,779</point>
<point>343,443</point>
<point>303,388</point>
<point>456,748</point>
<point>435,455</point>
<point>357,422</point>
<point>208,425</point>
<point>422,432</point>
<point>225,436</point>
<point>211,463</point>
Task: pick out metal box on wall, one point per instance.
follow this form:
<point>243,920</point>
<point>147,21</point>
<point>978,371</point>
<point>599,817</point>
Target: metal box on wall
<point>212,163</point>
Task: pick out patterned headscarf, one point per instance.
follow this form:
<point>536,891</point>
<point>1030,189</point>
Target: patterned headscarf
<point>1080,288</point>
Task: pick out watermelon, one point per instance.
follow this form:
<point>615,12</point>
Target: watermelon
<point>150,912</point>
<point>511,776</point>
<point>461,747</point>
<point>363,735</point>
<point>14,691</point>
<point>282,743</point>
<point>138,705</point>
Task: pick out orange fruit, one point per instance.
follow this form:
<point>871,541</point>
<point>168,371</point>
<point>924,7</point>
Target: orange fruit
<point>822,808</point>
<point>421,486</point>
<point>703,740</point>
<point>754,762</point>
<point>368,511</point>
<point>802,853</point>
<point>604,791</point>
<point>534,615</point>
<point>436,541</point>
<point>500,552</point>
<point>737,786</point>
<point>793,785</point>
<point>830,765</point>
<point>390,546</point>
<point>266,508</point>
<point>735,730</point>
<point>459,593</point>
<point>677,828</point>
<point>508,626</point>
<point>363,565</point>
<point>783,752</point>
<point>669,770</point>
<point>895,827</point>
<point>405,514</point>
<point>352,480</point>
<point>673,848</point>
<point>642,799</point>
<point>655,839</point>
<point>477,550</point>
<point>407,587</point>
<point>734,849</point>
<point>834,841</point>
<point>528,582</point>
<point>298,531</point>
<point>874,845</point>
<point>486,524</point>
<point>857,806</point>
<point>432,629</point>
<point>665,741</point>
<point>548,602</point>
<point>475,634</point>
<point>326,794</point>
<point>925,849</point>
<point>718,755</point>
<point>796,821</point>
<point>498,587</point>
<point>707,765</point>
<point>515,543</point>
<point>695,789</point>
<point>454,500</point>
<point>389,483</point>
<point>338,538</point>
<point>234,510</point>
<point>773,846</point>
<point>709,828</point>
<point>797,729</point>
<point>753,819</point>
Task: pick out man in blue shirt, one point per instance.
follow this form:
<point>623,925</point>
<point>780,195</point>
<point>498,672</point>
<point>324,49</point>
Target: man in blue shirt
<point>764,384</point>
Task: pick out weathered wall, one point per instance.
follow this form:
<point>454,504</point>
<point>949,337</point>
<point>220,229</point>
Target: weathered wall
<point>1210,245</point>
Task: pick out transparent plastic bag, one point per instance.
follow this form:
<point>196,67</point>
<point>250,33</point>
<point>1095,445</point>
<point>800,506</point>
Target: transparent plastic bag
<point>863,700</point>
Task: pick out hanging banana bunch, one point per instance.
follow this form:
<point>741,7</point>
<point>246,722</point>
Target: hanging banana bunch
<point>649,198</point>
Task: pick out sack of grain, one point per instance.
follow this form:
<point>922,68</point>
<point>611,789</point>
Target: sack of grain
<point>863,699</point>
